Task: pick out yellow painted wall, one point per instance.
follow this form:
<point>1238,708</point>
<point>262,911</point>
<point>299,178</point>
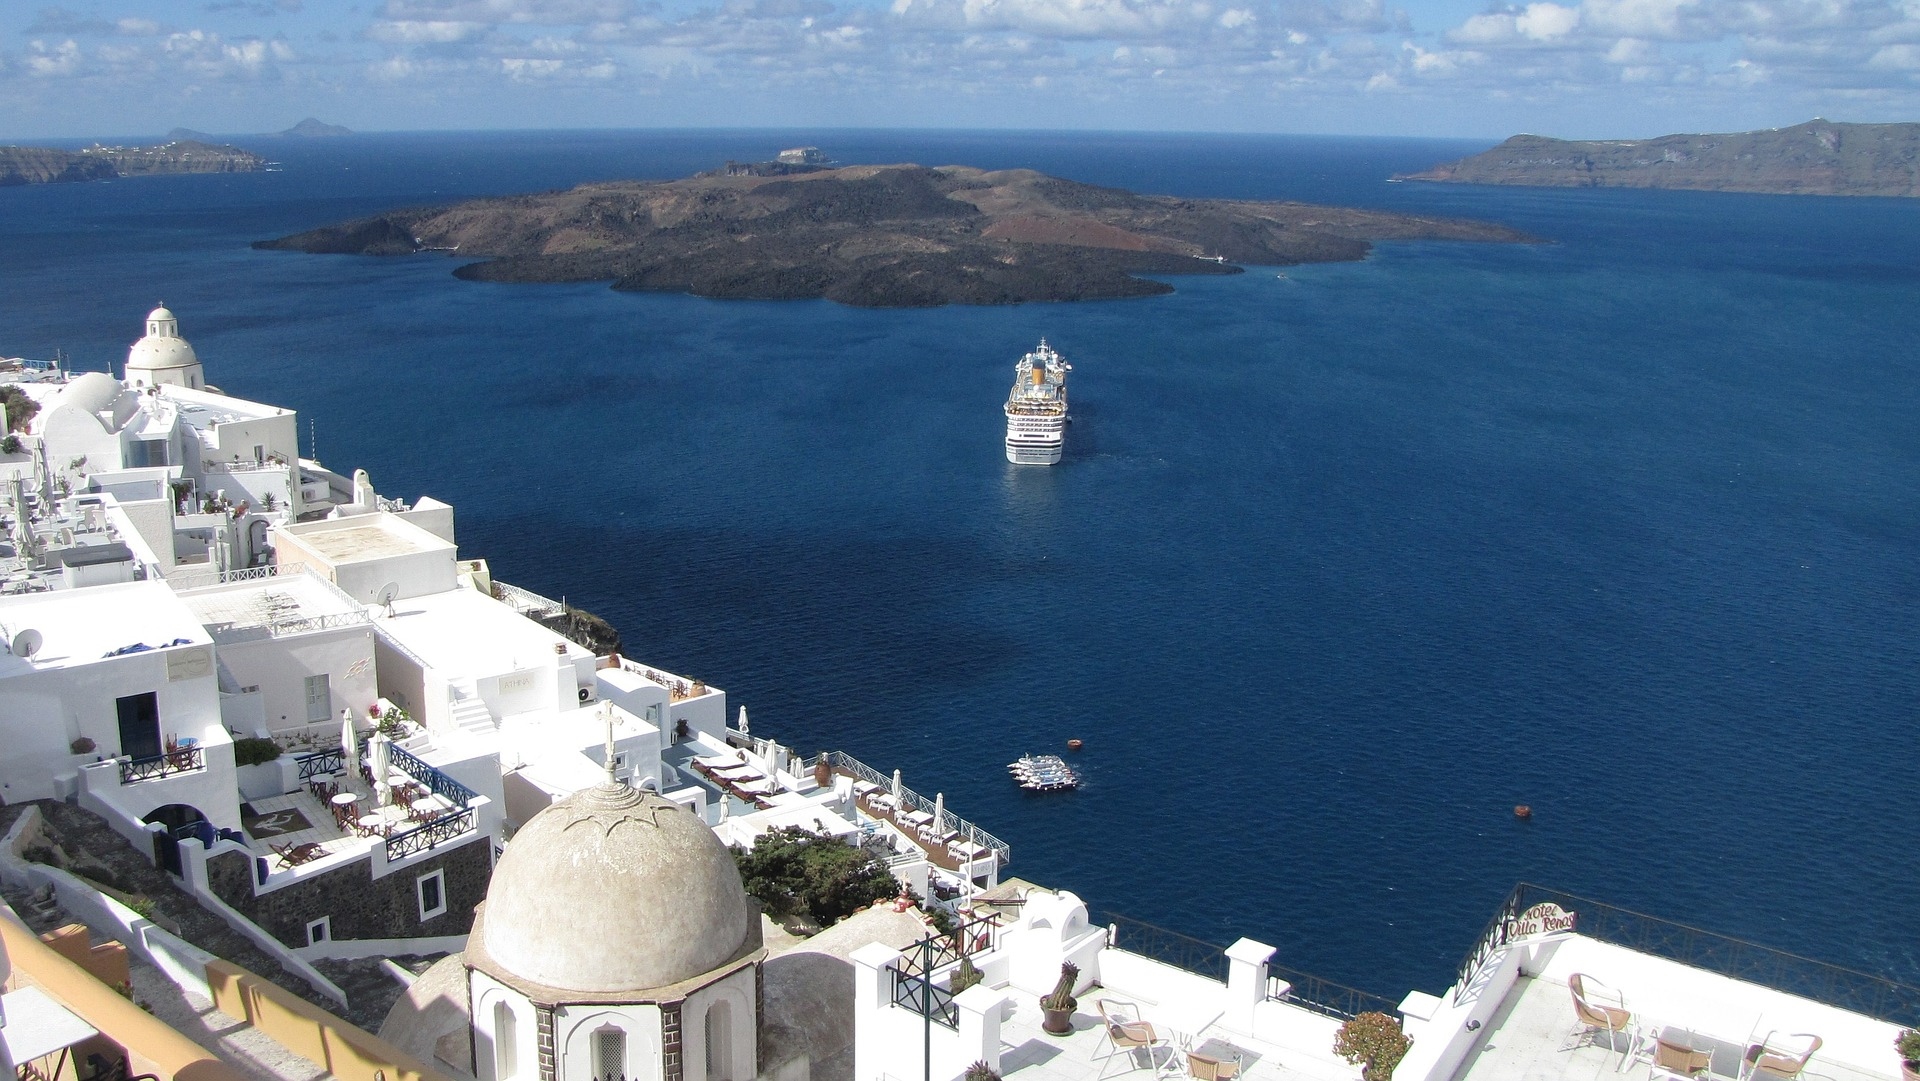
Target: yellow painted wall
<point>152,1045</point>
<point>347,1052</point>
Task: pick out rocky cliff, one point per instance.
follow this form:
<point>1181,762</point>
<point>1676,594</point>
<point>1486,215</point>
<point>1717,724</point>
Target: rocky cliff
<point>44,165</point>
<point>875,236</point>
<point>1815,158</point>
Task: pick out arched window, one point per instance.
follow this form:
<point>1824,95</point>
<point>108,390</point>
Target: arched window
<point>609,1054</point>
<point>506,1035</point>
<point>720,1041</point>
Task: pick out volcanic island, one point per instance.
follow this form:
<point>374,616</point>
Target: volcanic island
<point>882,236</point>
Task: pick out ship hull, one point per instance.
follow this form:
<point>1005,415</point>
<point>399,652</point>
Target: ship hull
<point>1026,452</point>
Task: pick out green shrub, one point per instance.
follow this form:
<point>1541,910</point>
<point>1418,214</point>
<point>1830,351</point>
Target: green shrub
<point>792,872</point>
<point>252,752</point>
<point>20,409</point>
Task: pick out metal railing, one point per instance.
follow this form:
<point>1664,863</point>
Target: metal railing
<point>526,601</point>
<point>1849,989</point>
<point>422,838</point>
<point>1323,996</point>
<point>162,765</point>
<point>1209,959</point>
<point>437,782</point>
<point>319,762</point>
<point>911,800</point>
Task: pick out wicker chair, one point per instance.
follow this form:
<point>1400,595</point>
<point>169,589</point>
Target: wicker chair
<point>1601,1009</point>
<point>1779,1057</point>
<point>1679,1062</point>
<point>1208,1068</point>
<point>1123,1033</point>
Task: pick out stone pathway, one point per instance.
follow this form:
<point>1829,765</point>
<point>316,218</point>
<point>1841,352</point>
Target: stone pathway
<point>86,846</point>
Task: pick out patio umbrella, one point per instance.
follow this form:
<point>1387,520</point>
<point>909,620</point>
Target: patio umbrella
<point>743,720</point>
<point>896,788</point>
<point>939,810</point>
<point>42,476</point>
<point>382,762</point>
<point>349,742</point>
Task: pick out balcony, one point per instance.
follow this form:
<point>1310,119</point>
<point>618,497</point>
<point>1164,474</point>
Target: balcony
<point>183,759</point>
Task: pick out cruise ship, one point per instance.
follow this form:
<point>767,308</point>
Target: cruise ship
<point>1037,408</point>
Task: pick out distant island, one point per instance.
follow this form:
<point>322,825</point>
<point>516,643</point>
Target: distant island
<point>46,165</point>
<point>1816,158</point>
<point>875,235</point>
<point>311,128</point>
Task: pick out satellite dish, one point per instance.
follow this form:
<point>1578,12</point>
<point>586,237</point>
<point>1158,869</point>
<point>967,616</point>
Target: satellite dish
<point>388,593</point>
<point>26,643</point>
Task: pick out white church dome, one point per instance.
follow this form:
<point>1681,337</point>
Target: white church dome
<point>91,392</point>
<point>162,348</point>
<point>615,889</point>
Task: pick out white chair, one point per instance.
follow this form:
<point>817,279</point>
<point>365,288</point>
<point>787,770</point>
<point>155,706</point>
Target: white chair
<point>1601,1009</point>
<point>1123,1033</point>
<point>1779,1057</point>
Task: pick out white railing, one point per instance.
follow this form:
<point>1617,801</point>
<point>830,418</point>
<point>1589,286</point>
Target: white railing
<point>181,581</point>
<point>909,799</point>
<point>526,601</point>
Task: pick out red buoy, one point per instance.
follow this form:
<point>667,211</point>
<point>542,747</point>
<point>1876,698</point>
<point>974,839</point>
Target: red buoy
<point>1074,745</point>
<point>1521,810</point>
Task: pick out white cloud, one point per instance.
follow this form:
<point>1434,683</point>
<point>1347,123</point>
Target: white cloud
<point>55,61</point>
<point>1545,22</point>
<point>423,31</point>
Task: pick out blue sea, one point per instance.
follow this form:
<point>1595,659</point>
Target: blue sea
<point>1343,561</point>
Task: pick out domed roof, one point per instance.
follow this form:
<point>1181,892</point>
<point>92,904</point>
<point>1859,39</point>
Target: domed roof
<point>162,348</point>
<point>614,889</point>
<point>92,392</point>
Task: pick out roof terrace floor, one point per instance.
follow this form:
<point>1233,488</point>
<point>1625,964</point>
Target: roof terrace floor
<point>1534,1037</point>
<point>1028,1053</point>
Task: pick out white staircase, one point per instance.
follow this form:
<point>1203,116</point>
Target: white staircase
<point>466,709</point>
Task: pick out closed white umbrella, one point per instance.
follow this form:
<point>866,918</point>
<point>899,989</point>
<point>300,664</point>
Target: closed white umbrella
<point>743,720</point>
<point>349,742</point>
<point>896,788</point>
<point>939,812</point>
<point>382,762</point>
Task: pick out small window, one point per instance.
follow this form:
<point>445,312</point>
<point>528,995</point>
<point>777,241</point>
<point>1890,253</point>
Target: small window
<point>432,888</point>
<point>609,1055</point>
<point>319,930</point>
<point>319,699</point>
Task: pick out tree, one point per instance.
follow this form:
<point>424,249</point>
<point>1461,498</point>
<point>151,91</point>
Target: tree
<point>20,408</point>
<point>793,872</point>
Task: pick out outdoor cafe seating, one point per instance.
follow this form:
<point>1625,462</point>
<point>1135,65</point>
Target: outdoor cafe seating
<point>1123,1033</point>
<point>1681,1052</point>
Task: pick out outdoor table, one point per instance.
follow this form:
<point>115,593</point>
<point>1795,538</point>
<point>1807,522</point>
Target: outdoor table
<point>346,799</point>
<point>37,1026</point>
<point>1187,1019</point>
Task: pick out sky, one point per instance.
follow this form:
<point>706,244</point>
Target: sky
<point>1466,68</point>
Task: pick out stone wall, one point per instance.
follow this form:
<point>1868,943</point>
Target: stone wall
<point>358,905</point>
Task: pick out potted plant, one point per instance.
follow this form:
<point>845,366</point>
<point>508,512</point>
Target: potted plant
<point>965,976</point>
<point>1908,1045</point>
<point>980,1071</point>
<point>1057,1008</point>
<point>1374,1042</point>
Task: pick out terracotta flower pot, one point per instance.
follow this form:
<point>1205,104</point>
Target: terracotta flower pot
<point>1058,1022</point>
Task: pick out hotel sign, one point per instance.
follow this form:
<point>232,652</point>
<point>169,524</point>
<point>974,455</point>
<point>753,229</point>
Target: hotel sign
<point>1545,918</point>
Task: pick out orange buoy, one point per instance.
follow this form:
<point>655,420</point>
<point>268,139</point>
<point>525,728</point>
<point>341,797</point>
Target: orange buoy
<point>1074,745</point>
<point>1521,810</point>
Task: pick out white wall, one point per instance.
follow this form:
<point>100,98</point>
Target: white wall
<point>280,668</point>
<point>573,1028</point>
<point>44,711</point>
<point>738,992</point>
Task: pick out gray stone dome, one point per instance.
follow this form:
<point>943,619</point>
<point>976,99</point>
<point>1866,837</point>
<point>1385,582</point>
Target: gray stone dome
<point>614,889</point>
